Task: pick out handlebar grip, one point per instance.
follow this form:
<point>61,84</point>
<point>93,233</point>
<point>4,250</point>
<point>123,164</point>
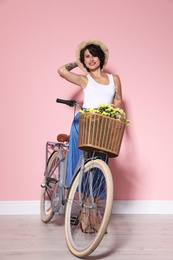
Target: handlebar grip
<point>70,103</point>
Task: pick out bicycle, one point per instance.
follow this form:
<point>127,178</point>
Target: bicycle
<point>87,200</point>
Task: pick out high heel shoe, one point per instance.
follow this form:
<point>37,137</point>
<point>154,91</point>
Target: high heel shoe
<point>96,224</point>
<point>95,219</point>
<point>85,223</point>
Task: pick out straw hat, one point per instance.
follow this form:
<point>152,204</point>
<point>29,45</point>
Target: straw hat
<point>83,44</point>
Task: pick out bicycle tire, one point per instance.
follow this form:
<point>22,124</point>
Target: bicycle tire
<point>49,187</point>
<point>82,244</point>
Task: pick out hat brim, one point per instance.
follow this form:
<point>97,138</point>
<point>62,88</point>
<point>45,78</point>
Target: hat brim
<point>83,44</point>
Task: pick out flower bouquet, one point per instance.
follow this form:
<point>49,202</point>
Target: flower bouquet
<point>110,111</point>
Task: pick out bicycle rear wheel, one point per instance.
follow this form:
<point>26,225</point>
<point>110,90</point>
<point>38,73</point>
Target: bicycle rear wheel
<point>86,221</point>
<point>49,188</point>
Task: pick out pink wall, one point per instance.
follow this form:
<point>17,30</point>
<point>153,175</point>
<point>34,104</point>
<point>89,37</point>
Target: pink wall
<point>37,36</point>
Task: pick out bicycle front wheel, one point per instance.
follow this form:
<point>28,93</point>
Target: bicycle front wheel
<point>88,208</point>
<point>49,188</point>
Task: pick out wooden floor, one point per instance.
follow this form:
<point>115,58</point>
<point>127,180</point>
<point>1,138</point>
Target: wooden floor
<point>132,237</point>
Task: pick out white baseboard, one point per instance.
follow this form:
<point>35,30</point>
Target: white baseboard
<point>119,207</point>
<point>143,207</point>
<point>19,207</point>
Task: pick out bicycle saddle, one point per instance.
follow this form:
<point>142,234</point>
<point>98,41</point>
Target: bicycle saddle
<point>63,138</point>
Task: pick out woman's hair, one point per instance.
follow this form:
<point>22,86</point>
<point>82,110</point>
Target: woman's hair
<point>96,51</point>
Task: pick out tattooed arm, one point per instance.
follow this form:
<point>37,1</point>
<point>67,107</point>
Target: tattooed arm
<point>71,66</point>
<point>66,73</point>
<point>118,92</point>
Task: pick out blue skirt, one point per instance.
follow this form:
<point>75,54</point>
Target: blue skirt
<point>74,155</point>
<point>74,151</point>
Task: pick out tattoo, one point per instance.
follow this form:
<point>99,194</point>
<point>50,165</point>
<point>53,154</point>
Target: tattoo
<point>117,95</point>
<point>71,66</point>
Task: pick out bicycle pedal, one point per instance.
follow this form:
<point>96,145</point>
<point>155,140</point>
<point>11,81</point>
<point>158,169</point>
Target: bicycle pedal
<point>74,220</point>
<point>51,180</point>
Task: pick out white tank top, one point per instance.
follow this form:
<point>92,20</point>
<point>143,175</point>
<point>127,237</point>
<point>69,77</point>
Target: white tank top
<point>96,93</point>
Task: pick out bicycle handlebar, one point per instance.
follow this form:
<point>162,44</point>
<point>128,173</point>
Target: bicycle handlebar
<point>70,103</point>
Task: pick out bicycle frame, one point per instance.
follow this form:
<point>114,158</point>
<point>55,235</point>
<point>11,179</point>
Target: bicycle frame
<point>63,149</point>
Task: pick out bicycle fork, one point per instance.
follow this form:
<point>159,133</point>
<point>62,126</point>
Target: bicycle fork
<point>91,203</point>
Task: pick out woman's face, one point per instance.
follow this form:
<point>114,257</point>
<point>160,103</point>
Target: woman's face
<point>91,62</point>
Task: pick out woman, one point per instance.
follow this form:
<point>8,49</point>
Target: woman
<point>98,87</point>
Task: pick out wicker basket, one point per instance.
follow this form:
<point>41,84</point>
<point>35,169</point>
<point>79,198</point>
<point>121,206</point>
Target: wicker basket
<point>98,132</point>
